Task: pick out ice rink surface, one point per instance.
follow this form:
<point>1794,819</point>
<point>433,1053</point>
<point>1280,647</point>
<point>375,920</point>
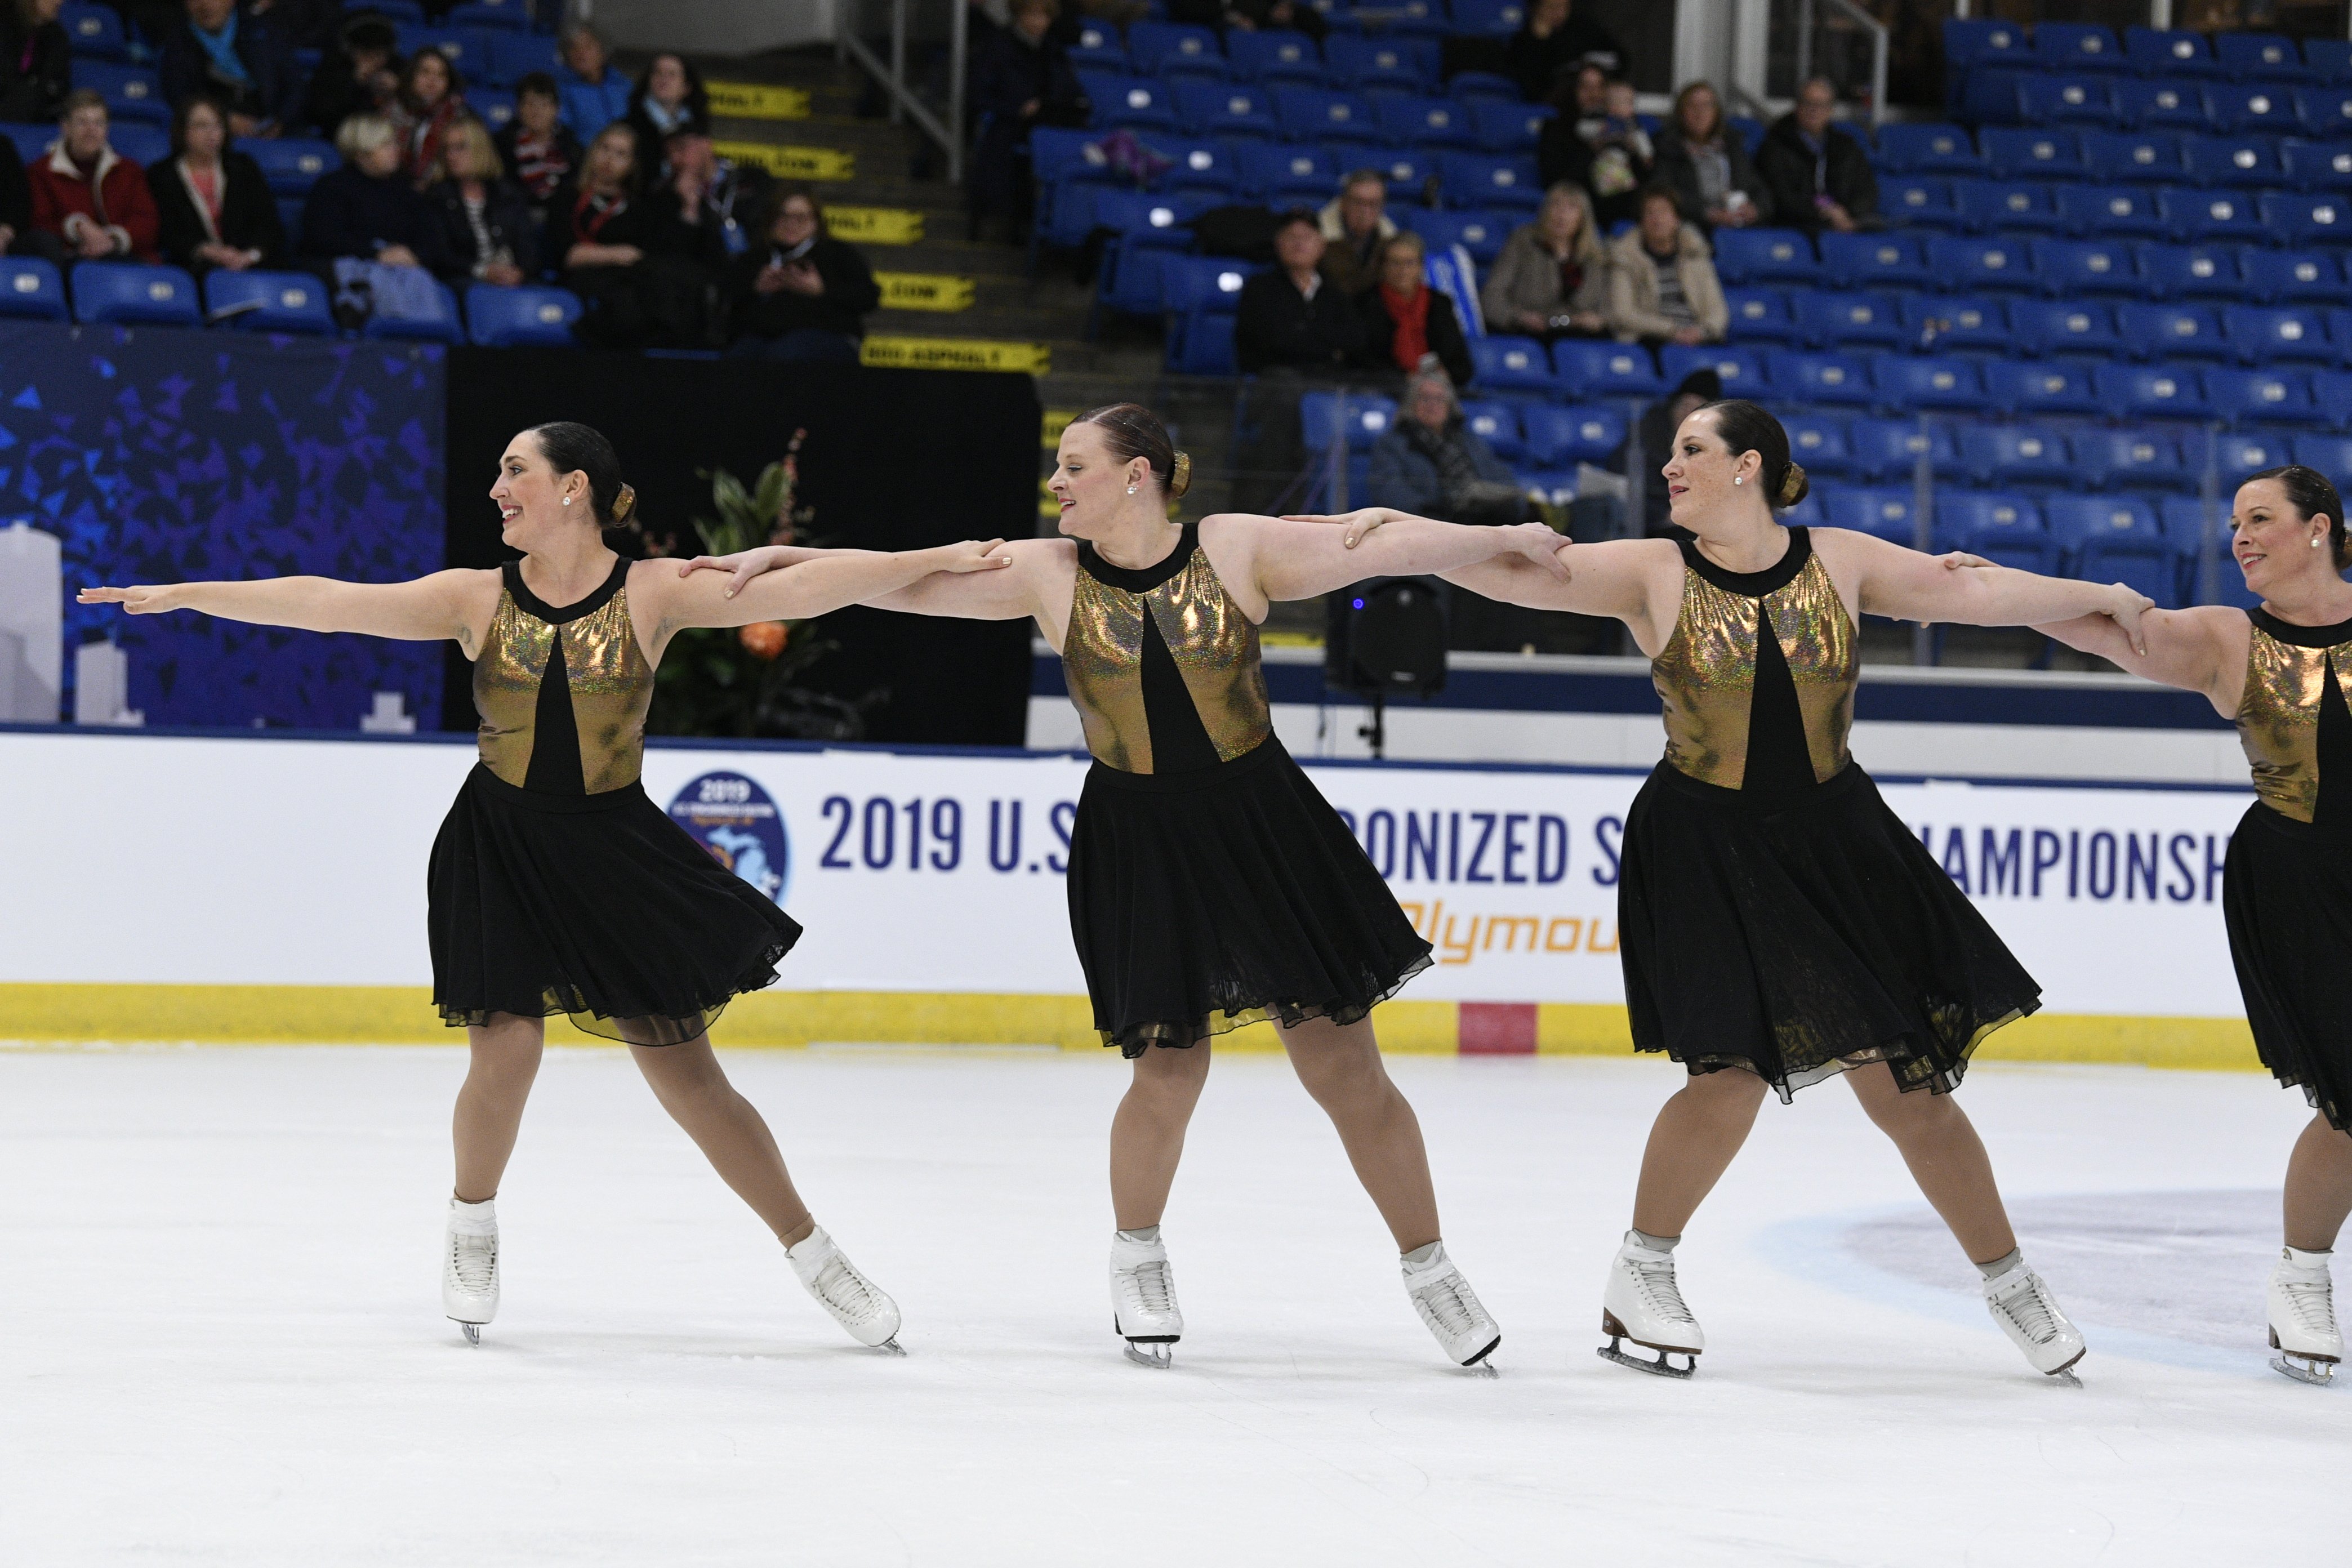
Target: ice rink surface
<point>221,1342</point>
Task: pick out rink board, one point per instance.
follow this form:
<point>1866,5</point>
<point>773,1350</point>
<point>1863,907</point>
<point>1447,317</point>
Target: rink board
<point>198,887</point>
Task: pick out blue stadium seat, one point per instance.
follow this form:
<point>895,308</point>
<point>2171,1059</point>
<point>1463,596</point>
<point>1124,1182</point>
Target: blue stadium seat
<point>2317,165</point>
<point>515,54</point>
<point>2330,60</point>
<point>1508,126</point>
<point>2271,334</point>
<point>1281,173</point>
<point>1972,42</point>
<point>2072,99</point>
<point>466,49</point>
<point>1489,18</point>
<point>2331,455</point>
<point>1965,321</point>
<point>509,16</point>
<point>1324,114</point>
<point>1189,283</point>
<point>1818,443</point>
<point>1912,382</point>
<point>2256,107</point>
<point>269,302</point>
<point>1169,49</point>
<point>401,12</point>
<point>2041,387</point>
<point>2115,538</point>
<point>2331,390</point>
<point>2075,266</point>
<point>2164,105</point>
<point>2293,277</point>
<point>2296,217</point>
<point>2195,215</point>
<point>1804,377</point>
<point>31,286</point>
<point>2064,326</point>
<point>2123,157</point>
<point>2323,111</point>
<point>1503,361</point>
<point>1202,343</point>
<point>1848,318</point>
<point>2183,519</point>
<point>1882,449</point>
<point>132,92</point>
<point>438,322</point>
<point>1425,123</point>
<point>2108,212</point>
<point>1587,368</point>
<point>1993,97</point>
<point>1364,61</point>
<point>1100,48</point>
<point>2077,46</point>
<point>1406,169</point>
<point>1983,261</point>
<point>94,32</point>
<point>1131,280</point>
<point>142,142</point>
<point>2261,56</point>
<point>1276,55</point>
<point>2011,206</point>
<point>1882,512</point>
<point>2246,452</point>
<point>1357,419</point>
<point>1201,164</point>
<point>2152,391</point>
<point>1579,434</point>
<point>2013,454</point>
<point>1890,260</point>
<point>1760,315</point>
<point>2232,160</point>
<point>2171,331</point>
<point>1470,87</point>
<point>2267,396</point>
<point>1765,255</point>
<point>2192,271</point>
<point>1144,104</point>
<point>2033,152</point>
<point>32,141</point>
<point>131,291</point>
<point>1489,180</point>
<point>494,106</point>
<point>2006,529</point>
<point>292,164</point>
<point>1927,150</point>
<point>2142,460</point>
<point>1916,200</point>
<point>1494,422</point>
<point>1744,370</point>
<point>2169,52</point>
<point>1482,234</point>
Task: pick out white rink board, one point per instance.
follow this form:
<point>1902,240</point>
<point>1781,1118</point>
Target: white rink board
<point>171,860</point>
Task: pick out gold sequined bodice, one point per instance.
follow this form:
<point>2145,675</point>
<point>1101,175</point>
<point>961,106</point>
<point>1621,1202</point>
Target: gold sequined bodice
<point>2281,719</point>
<point>1163,665</point>
<point>1718,679</point>
<point>563,692</point>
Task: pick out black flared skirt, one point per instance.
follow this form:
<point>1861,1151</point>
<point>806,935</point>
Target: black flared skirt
<point>597,906</point>
<point>1796,934</point>
<point>1203,901</point>
<point>2286,895</point>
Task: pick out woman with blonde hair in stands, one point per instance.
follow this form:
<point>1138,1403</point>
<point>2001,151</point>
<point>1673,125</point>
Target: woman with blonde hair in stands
<point>1210,885</point>
<point>1779,924</point>
<point>1552,279</point>
<point>485,217</point>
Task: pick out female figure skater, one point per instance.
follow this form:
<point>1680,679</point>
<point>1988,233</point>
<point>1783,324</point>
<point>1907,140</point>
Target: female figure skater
<point>556,886</point>
<point>1210,885</point>
<point>2277,672</point>
<point>1778,919</point>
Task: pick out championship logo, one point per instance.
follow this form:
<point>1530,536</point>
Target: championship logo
<point>734,819</point>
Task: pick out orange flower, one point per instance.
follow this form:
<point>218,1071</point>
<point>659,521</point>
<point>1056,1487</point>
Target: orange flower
<point>765,639</point>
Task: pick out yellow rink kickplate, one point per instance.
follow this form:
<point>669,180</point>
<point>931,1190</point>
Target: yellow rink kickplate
<point>793,163</point>
<point>875,225</point>
<point>955,354</point>
<point>924,291</point>
<point>757,100</point>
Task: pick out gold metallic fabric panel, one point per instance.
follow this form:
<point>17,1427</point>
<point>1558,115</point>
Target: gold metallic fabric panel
<point>611,689</point>
<point>1102,664</point>
<point>1706,677</point>
<point>2278,720</point>
<point>1216,650</point>
<point>507,675</point>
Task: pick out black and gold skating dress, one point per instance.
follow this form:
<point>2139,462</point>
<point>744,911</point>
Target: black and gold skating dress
<point>1776,916</point>
<point>2287,891</point>
<point>556,885</point>
<point>1211,886</point>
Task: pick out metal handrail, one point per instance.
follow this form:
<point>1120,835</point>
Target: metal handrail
<point>1877,31</point>
<point>891,76</point>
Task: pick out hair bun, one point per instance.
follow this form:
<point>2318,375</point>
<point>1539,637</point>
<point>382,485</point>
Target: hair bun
<point>1794,485</point>
<point>626,502</point>
<point>1180,475</point>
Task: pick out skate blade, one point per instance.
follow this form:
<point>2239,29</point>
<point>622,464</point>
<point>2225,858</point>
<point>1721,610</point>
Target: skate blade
<point>1155,1354</point>
<point>891,1346</point>
<point>473,1332</point>
<point>2318,1374</point>
<point>2064,1378</point>
<point>1661,1367</point>
<point>1479,1365</point>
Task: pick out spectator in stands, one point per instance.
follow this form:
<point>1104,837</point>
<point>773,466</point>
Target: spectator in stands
<point>36,61</point>
<point>429,102</point>
<point>361,75</point>
<point>1609,155</point>
<point>641,265</point>
<point>1552,281</point>
<point>1290,318</point>
<point>1021,78</point>
<point>730,193</point>
<point>803,296</point>
<point>367,210</point>
<point>92,199</point>
<point>1431,464</point>
<point>1662,283</point>
<point>18,236</point>
<point>1819,175</point>
<point>668,98</point>
<point>1551,41</point>
<point>1407,323</point>
<point>241,61</point>
<point>212,204</point>
<point>536,146</point>
<point>594,94</point>
<point>1356,224</point>
<point>486,224</point>
<point>1704,162</point>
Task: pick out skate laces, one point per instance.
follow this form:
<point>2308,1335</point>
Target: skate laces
<point>1154,1291</point>
<point>2030,1310</point>
<point>1451,1301</point>
<point>1660,1295</point>
<point>845,1291</point>
<point>473,1259</point>
<point>2312,1302</point>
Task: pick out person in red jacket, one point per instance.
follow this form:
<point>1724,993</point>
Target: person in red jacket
<point>94,200</point>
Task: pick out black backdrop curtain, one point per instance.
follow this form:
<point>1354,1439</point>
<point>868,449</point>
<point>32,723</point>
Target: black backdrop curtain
<point>894,459</point>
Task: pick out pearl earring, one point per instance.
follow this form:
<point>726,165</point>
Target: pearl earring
<point>2315,545</point>
<point>567,500</point>
<point>1130,489</point>
<point>1738,478</point>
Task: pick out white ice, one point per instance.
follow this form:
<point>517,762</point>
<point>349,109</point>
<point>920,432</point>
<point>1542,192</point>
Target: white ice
<point>221,1342</point>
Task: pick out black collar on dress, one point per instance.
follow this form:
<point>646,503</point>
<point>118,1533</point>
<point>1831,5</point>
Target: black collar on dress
<point>540,607</point>
<point>2294,636</point>
<point>1755,584</point>
<point>1139,580</point>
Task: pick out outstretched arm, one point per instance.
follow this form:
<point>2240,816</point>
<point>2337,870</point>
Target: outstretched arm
<point>445,605</point>
<point>2187,649</point>
<point>814,587</point>
<point>1282,559</point>
<point>1005,595</point>
<point>1611,578</point>
<point>1911,586</point>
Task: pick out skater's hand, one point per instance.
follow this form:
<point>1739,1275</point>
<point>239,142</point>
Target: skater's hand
<point>1538,543</point>
<point>144,601</point>
<point>971,557</point>
<point>744,564</point>
<point>2129,605</point>
<point>1359,523</point>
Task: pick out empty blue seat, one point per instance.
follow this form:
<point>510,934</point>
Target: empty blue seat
<point>139,141</point>
<point>292,164</point>
<point>2293,277</point>
<point>94,32</point>
<point>2064,326</point>
<point>1286,172</point>
<point>2256,107</point>
<point>1814,376</point>
<point>1406,169</point>
<point>2072,99</point>
<point>1893,260</point>
<point>1355,420</point>
<point>1591,369</point>
<point>1424,122</point>
<point>2185,524</point>
<point>516,54</point>
<point>2163,105</point>
<point>1100,47</point>
<point>2301,217</point>
<point>494,106</point>
<point>1982,262</point>
<point>1744,370</point>
<point>2147,459</point>
<point>2261,56</point>
<point>2323,111</point>
<point>1493,421</point>
<point>1482,234</point>
<point>1760,315</point>
<point>1974,41</point>
<point>132,92</point>
<point>503,15</point>
<point>1132,280</point>
<point>1916,200</point>
<point>2330,60</point>
<point>2241,453</point>
<point>1489,180</point>
<point>2006,206</point>
<point>2331,455</point>
<point>1849,318</point>
<point>1508,126</point>
<point>1962,322</point>
<point>1208,108</point>
<point>1363,61</point>
<point>464,48</point>
<point>2110,538</point>
<point>1927,150</point>
<point>1993,96</point>
<point>2078,46</point>
<point>1488,19</point>
<point>1883,512</point>
<point>1580,435</point>
<point>2169,52</point>
<point>2210,215</point>
<point>2108,212</point>
<point>1503,361</point>
<point>2006,529</point>
<point>2126,156</point>
<point>130,292</point>
<point>2171,331</point>
<point>1882,449</point>
<point>1907,381</point>
<point>1323,114</point>
<point>2072,267</point>
<point>1818,442</point>
<point>2317,165</point>
<point>2266,335</point>
<point>434,320</point>
<point>2033,152</point>
<point>2191,272</point>
<point>2250,159</point>
<point>1276,55</point>
<point>1171,50</point>
<point>1201,164</point>
<point>1202,343</point>
<point>2331,390</point>
<point>2160,391</point>
<point>2041,387</point>
<point>1763,255</point>
<point>1143,103</point>
<point>269,302</point>
<point>1190,283</point>
<point>31,286</point>
<point>1469,87</point>
<point>2264,396</point>
<point>2014,454</point>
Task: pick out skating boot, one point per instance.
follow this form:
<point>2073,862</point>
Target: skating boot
<point>1449,1307</point>
<point>1641,1303</point>
<point>2022,1304</point>
<point>871,1317</point>
<point>469,1266</point>
<point>2303,1317</point>
<point>1143,1298</point>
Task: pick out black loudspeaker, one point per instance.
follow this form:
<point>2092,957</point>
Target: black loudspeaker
<point>1386,638</point>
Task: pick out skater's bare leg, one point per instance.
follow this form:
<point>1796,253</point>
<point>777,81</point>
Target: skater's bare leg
<point>1947,1159</point>
<point>2319,1186</point>
<point>1147,1133</point>
<point>506,1053</point>
<point>1691,1145</point>
<point>1340,1066</point>
<point>734,1137</point>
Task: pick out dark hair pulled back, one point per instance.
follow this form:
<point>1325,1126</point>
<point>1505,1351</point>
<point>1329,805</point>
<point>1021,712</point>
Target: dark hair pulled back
<point>1130,430</point>
<point>2313,494</point>
<point>1747,427</point>
<point>572,448</point>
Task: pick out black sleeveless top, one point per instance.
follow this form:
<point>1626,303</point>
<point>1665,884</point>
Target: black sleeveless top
<point>2292,721</point>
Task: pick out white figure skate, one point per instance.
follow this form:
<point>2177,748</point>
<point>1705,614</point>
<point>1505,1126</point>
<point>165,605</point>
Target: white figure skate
<point>855,1301</point>
<point>1451,1309</point>
<point>1143,1300</point>
<point>1641,1303</point>
<point>469,1266</point>
<point>2303,1317</point>
<point>2022,1304</point>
